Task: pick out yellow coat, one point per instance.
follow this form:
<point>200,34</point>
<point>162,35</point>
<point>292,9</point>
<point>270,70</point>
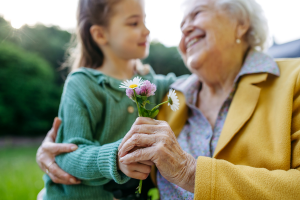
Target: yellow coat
<point>258,152</point>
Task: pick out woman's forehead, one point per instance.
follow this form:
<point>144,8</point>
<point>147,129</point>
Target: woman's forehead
<point>190,5</point>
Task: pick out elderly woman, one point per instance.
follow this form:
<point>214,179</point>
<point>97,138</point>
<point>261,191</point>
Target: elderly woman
<point>238,126</point>
<point>241,137</point>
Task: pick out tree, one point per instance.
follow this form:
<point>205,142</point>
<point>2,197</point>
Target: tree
<point>30,85</point>
<point>29,98</point>
<point>49,43</point>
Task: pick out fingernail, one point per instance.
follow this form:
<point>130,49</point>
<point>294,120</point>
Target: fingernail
<point>73,148</point>
<point>72,180</point>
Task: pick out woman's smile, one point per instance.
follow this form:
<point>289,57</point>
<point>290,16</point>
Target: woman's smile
<point>194,43</point>
<point>194,38</point>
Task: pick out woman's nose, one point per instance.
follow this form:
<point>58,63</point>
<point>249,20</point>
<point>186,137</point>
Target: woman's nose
<point>187,28</point>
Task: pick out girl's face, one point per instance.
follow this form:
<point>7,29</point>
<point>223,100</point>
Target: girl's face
<point>127,35</point>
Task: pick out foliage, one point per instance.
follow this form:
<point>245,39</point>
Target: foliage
<point>30,82</point>
<point>29,98</point>
<point>21,177</point>
<point>49,43</point>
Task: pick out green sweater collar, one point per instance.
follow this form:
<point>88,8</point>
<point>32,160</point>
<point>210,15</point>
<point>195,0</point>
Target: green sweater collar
<point>111,85</point>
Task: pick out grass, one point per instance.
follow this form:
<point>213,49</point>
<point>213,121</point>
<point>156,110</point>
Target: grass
<point>20,176</point>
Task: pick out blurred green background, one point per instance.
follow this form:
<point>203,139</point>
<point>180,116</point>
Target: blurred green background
<point>21,177</point>
<point>31,82</point>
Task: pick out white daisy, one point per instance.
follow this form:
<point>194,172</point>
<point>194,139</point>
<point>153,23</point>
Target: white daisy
<point>132,84</point>
<point>173,100</point>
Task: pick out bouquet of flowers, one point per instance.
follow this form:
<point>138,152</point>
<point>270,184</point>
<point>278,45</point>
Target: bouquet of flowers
<point>139,91</point>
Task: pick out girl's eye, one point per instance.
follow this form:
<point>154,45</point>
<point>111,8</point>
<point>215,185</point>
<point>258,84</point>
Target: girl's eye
<point>133,24</point>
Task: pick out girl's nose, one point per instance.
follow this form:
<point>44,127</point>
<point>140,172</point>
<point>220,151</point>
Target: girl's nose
<point>146,31</point>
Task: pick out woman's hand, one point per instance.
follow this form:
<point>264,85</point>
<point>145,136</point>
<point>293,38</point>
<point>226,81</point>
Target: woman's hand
<point>137,170</point>
<point>45,156</point>
<point>160,146</point>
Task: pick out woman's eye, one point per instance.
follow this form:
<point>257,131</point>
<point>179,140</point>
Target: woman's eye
<point>197,13</point>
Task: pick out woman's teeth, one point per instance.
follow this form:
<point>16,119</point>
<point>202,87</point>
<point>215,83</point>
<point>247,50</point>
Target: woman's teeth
<point>193,41</point>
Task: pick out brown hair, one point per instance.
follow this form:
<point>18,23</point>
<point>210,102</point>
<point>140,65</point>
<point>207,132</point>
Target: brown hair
<point>83,51</point>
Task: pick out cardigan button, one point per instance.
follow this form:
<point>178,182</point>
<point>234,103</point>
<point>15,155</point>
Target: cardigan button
<point>130,109</point>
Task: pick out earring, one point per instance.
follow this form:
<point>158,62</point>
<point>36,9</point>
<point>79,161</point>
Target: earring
<point>238,41</point>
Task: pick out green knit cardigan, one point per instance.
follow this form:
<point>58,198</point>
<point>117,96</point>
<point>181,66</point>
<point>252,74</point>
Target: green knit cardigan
<point>96,114</point>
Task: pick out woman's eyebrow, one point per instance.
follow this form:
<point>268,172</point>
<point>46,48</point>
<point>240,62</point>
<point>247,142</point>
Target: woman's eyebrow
<point>191,12</point>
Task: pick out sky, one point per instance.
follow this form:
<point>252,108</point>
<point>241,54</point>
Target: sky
<point>163,16</point>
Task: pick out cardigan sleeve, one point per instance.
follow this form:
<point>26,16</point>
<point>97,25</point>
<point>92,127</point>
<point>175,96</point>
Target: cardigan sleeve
<point>93,163</point>
<point>220,179</point>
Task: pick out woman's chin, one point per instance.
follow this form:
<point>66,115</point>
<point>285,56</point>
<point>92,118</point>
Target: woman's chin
<point>193,63</point>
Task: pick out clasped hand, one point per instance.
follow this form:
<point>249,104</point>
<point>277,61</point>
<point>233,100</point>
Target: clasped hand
<point>46,153</point>
<point>158,144</point>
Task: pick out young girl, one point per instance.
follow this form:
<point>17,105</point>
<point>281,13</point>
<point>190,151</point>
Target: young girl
<point>96,114</point>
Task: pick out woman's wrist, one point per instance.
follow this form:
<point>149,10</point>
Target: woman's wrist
<point>189,173</point>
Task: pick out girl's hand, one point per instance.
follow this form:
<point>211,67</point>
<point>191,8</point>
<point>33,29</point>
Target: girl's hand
<point>136,170</point>
<point>45,157</point>
<point>159,145</point>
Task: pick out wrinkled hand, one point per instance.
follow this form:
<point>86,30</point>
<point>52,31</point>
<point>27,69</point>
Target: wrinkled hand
<point>136,170</point>
<point>46,155</point>
<point>161,147</point>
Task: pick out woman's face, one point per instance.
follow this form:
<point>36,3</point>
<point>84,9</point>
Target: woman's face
<point>208,38</point>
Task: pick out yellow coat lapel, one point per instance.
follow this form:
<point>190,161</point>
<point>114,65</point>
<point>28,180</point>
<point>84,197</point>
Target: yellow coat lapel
<point>166,114</point>
<point>241,109</point>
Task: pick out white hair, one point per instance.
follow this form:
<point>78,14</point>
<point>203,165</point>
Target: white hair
<point>257,36</point>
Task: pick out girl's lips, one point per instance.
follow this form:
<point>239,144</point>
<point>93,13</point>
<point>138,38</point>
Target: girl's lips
<point>143,44</point>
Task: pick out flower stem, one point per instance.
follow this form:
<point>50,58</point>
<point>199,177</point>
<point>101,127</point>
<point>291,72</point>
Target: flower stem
<point>159,105</point>
<point>140,186</point>
<point>137,105</point>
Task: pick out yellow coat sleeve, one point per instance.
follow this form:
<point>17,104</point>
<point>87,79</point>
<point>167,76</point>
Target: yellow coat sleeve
<point>220,179</point>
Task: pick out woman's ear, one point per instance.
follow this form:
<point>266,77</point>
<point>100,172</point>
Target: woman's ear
<point>98,34</point>
<point>242,29</point>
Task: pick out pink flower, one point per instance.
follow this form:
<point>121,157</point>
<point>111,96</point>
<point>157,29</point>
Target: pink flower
<point>130,92</point>
<point>148,89</point>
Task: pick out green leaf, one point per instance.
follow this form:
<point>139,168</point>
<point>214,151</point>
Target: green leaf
<point>144,98</point>
<point>153,193</point>
<point>142,111</point>
<point>154,113</point>
<point>140,101</point>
